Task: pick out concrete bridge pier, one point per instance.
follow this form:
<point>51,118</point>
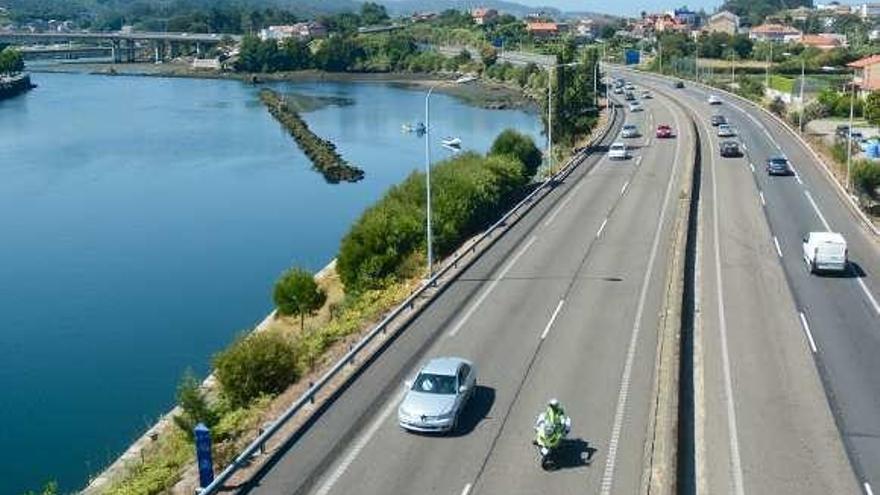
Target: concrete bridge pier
<point>114,51</point>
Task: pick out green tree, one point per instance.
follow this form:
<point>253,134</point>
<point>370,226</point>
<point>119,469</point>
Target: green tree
<point>488,55</point>
<point>520,146</point>
<point>194,404</point>
<point>11,61</point>
<point>866,175</point>
<point>50,488</point>
<point>257,364</point>
<point>373,13</point>
<point>337,54</point>
<point>872,108</point>
<point>296,293</point>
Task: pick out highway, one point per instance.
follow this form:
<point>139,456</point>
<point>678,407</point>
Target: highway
<point>786,361</point>
<point>566,304</point>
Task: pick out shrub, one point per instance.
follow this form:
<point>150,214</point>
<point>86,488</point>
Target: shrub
<point>777,106</point>
<point>262,363</point>
<point>195,405</point>
<point>520,146</point>
<point>866,176</point>
<point>296,293</point>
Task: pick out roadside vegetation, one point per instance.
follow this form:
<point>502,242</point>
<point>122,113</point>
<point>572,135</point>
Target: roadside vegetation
<point>11,61</point>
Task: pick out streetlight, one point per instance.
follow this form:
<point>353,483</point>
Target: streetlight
<point>550,111</point>
<point>428,224</point>
<point>852,100</point>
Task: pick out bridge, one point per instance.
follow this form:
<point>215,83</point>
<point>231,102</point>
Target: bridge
<point>123,46</point>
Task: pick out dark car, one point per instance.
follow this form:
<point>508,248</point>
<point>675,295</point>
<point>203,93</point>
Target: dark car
<point>717,120</point>
<point>629,96</point>
<point>664,131</point>
<point>778,166</point>
<point>678,84</point>
<point>730,149</point>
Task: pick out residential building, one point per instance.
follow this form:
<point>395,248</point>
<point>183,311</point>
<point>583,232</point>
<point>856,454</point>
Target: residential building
<point>723,22</point>
<point>833,8</point>
<point>686,16</point>
<point>300,30</point>
<point>867,10</point>
<point>823,41</point>
<point>775,32</point>
<point>543,29</point>
<point>867,73</point>
<point>584,29</point>
<point>483,15</point>
<point>423,16</point>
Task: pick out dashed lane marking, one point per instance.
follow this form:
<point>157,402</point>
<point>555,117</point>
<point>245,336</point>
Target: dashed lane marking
<point>808,332</point>
<point>552,319</point>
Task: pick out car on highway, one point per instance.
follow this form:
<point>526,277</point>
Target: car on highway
<point>630,87</point>
<point>664,131</point>
<point>618,90</point>
<point>635,107</point>
<point>629,96</point>
<point>729,149</point>
<point>678,84</point>
<point>713,100</point>
<point>724,130</point>
<point>825,251</point>
<point>717,120</point>
<point>629,131</point>
<point>778,165</point>
<point>647,95</point>
<point>435,399</point>
<point>618,151</point>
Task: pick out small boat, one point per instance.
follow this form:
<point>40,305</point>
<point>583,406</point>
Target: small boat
<point>452,142</point>
<point>407,128</point>
<point>466,79</point>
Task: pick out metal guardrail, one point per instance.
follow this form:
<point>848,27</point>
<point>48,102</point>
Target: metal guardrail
<point>244,457</point>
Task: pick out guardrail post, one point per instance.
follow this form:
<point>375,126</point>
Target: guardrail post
<point>351,348</point>
<point>311,392</point>
<point>263,428</point>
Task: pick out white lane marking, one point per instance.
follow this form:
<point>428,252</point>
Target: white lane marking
<point>611,459</point>
<point>868,489</point>
<point>751,165</point>
<point>746,148</point>
<point>638,160</point>
<point>648,142</point>
<point>818,212</point>
<point>552,319</point>
<point>602,227</point>
<point>359,445</point>
<point>797,176</point>
<point>808,332</point>
<point>562,205</point>
<point>466,490</point>
<point>491,287</point>
<point>778,250</point>
<point>869,295</point>
<point>761,194</point>
<point>623,189</point>
<point>725,353</point>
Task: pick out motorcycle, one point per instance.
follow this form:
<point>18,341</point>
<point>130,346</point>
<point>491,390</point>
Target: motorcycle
<point>547,440</point>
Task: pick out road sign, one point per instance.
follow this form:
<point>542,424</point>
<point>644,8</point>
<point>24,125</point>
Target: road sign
<point>203,455</point>
<point>632,57</point>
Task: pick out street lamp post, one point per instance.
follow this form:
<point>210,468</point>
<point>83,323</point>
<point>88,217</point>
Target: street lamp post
<point>803,105</point>
<point>852,100</point>
<point>428,224</point>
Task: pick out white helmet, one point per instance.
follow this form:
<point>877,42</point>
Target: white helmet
<point>553,403</point>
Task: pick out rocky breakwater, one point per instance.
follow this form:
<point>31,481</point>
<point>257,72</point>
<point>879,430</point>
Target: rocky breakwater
<point>14,85</point>
<point>320,151</point>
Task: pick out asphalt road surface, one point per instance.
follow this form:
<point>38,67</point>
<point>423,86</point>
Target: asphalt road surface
<point>565,305</point>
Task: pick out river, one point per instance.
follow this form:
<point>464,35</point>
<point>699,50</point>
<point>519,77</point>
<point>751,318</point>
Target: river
<point>143,223</point>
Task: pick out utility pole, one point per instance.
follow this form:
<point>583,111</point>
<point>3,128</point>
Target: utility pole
<point>803,105</point>
<point>852,100</point>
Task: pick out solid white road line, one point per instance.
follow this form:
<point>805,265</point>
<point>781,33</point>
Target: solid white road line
<point>602,227</point>
<point>869,295</point>
<point>751,166</point>
<point>466,490</point>
<point>868,490</point>
<point>733,435</point>
<point>818,212</point>
<point>552,319</point>
<point>797,176</point>
<point>638,160</point>
<point>460,323</point>
<point>623,189</point>
<point>359,445</point>
<point>778,250</point>
<point>620,411</point>
<point>761,195</point>
<point>808,332</point>
<point>562,205</point>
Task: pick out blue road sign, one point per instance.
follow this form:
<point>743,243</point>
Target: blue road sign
<point>203,454</point>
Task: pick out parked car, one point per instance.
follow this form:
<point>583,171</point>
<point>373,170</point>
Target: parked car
<point>618,151</point>
<point>629,131</point>
<point>437,396</point>
<point>724,130</point>
<point>678,85</point>
<point>778,165</point>
<point>713,100</point>
<point>717,120</point>
<point>635,107</point>
<point>730,149</point>
<point>647,95</point>
<point>664,131</point>
<point>825,251</point>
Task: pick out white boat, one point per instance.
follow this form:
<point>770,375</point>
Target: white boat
<point>452,142</point>
<point>465,79</point>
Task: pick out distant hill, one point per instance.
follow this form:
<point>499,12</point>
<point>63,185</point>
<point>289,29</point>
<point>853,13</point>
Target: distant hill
<point>755,11</point>
<point>407,7</point>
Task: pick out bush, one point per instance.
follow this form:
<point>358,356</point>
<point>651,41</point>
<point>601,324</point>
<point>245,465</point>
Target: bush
<point>866,176</point>
<point>520,146</point>
<point>296,293</point>
<point>195,405</point>
<point>262,363</point>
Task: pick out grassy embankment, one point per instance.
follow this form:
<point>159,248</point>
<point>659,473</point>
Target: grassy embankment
<point>320,151</point>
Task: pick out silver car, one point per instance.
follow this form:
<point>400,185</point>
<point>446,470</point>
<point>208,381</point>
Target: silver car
<point>436,398</point>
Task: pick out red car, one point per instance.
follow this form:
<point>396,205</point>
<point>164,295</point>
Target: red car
<point>664,131</point>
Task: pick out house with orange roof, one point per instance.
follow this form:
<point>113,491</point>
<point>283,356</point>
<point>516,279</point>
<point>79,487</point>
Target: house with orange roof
<point>543,29</point>
<point>867,73</point>
<point>824,41</point>
<point>483,15</point>
<point>775,32</point>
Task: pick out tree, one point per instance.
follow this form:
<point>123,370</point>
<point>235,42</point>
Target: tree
<point>520,146</point>
<point>488,55</point>
<point>11,61</point>
<point>50,488</point>
<point>261,363</point>
<point>194,404</point>
<point>373,13</point>
<point>297,293</point>
<point>872,108</point>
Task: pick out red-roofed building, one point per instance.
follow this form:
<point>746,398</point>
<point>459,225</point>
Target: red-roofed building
<point>483,15</point>
<point>824,41</point>
<point>542,29</point>
<point>775,32</point>
<point>867,73</point>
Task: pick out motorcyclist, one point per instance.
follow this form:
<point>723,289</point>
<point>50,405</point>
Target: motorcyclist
<point>552,425</point>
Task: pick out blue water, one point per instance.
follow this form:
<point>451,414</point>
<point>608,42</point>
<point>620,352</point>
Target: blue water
<point>142,224</point>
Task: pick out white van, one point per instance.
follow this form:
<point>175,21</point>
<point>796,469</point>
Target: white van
<point>825,251</point>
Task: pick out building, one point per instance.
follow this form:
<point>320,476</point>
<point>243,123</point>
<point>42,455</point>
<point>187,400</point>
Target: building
<point>483,15</point>
<point>867,73</point>
<point>779,33</point>
<point>833,8</point>
<point>824,41</point>
<point>300,30</point>
<point>686,16</point>
<point>423,16</point>
<point>867,10</point>
<point>543,29</point>
<point>723,22</point>
<point>585,29</point>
